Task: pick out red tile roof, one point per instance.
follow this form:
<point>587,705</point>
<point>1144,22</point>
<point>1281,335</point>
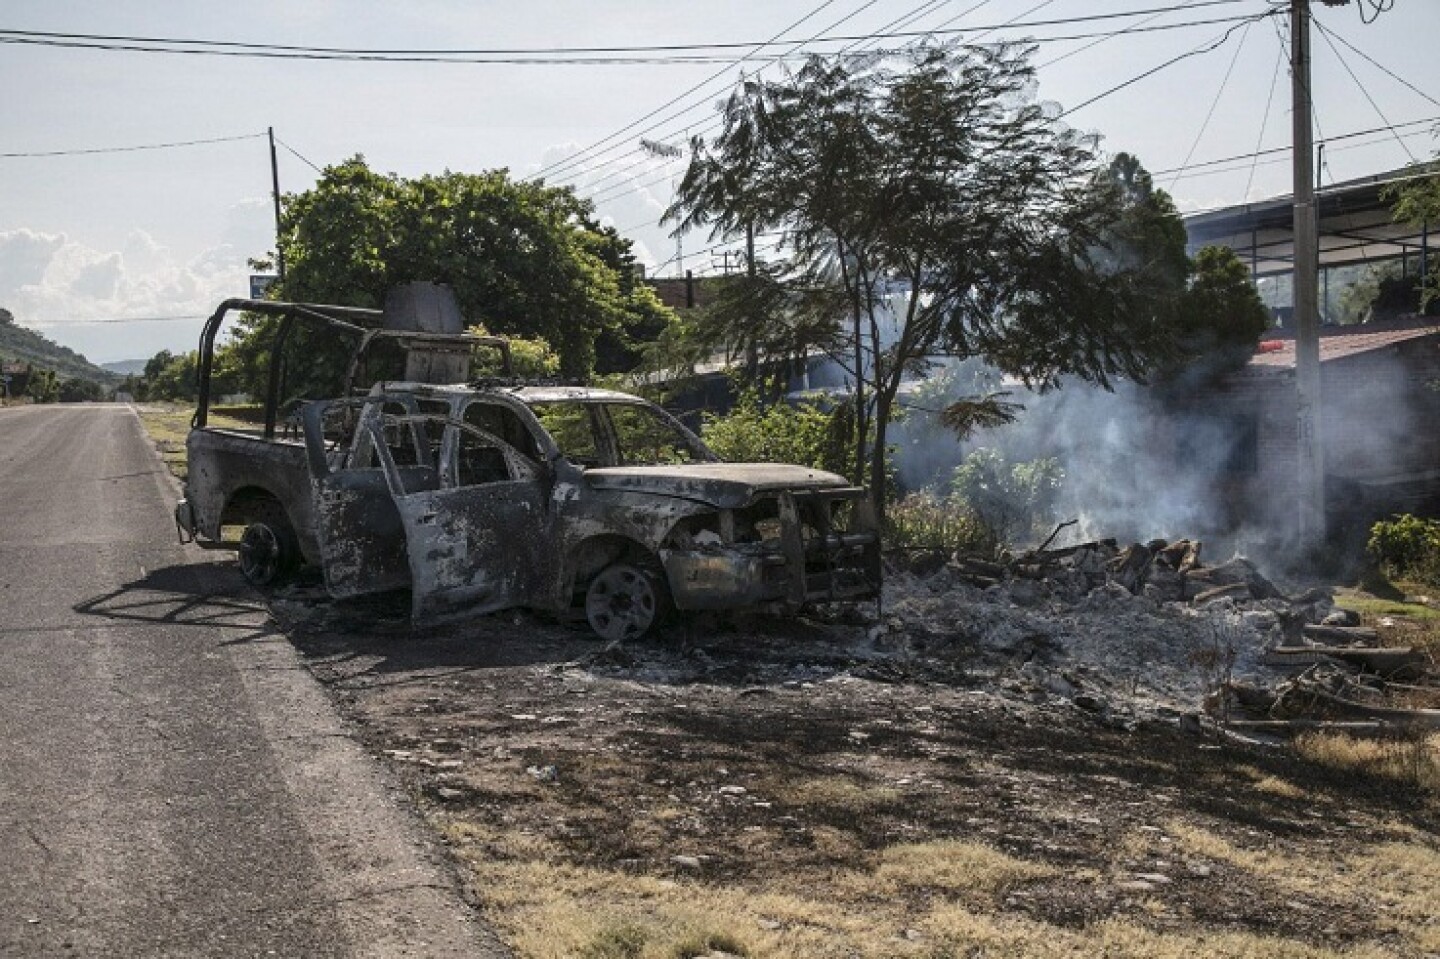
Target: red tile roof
<point>1277,349</point>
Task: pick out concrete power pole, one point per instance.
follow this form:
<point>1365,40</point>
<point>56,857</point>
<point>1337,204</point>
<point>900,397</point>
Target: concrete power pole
<point>1310,459</point>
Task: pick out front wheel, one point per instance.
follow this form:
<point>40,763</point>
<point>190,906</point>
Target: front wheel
<point>269,551</point>
<point>626,601</point>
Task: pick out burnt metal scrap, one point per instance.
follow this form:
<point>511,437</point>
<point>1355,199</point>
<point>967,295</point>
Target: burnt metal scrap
<point>481,497</point>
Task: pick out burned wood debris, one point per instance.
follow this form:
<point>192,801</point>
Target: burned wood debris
<point>1150,631</point>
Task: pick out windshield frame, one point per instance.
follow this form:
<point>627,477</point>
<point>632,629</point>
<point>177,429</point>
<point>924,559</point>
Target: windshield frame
<point>606,436</point>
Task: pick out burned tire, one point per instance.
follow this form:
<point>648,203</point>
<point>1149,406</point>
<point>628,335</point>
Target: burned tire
<point>627,600</point>
<point>269,550</point>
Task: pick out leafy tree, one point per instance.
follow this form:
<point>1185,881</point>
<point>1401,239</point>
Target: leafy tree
<point>945,209</point>
<point>41,385</point>
<point>76,390</point>
<point>1417,201</point>
<point>523,258</point>
<point>753,432</point>
<point>1220,318</point>
<point>530,357</point>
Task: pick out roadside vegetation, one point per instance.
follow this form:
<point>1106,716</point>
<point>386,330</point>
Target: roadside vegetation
<point>758,789</point>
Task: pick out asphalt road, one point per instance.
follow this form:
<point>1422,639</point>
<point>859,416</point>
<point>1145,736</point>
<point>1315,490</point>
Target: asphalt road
<point>172,782</point>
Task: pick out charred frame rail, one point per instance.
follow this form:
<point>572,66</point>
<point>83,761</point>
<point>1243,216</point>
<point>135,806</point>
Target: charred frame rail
<point>338,317</point>
<point>346,319</point>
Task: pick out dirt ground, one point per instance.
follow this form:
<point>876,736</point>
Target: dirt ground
<point>777,787</point>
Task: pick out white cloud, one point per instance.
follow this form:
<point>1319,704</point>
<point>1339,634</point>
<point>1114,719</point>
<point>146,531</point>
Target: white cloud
<point>66,288</point>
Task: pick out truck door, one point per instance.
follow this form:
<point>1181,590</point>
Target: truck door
<point>476,543</point>
<point>362,539</point>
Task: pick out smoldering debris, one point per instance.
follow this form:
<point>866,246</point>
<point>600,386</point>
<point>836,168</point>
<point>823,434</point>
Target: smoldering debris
<point>1135,633</point>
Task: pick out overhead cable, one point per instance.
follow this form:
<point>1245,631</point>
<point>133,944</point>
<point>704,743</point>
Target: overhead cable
<point>237,47</point>
<point>132,149</point>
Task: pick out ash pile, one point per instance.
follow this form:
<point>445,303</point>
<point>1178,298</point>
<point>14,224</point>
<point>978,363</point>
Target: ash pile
<point>1134,633</point>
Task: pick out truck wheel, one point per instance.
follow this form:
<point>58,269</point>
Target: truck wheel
<point>269,551</point>
<point>626,601</point>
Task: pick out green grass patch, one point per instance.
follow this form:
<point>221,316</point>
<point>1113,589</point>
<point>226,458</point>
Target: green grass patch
<point>1372,607</point>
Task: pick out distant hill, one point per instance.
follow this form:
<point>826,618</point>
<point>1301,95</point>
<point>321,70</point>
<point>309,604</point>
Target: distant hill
<point>19,345</point>
<point>125,367</point>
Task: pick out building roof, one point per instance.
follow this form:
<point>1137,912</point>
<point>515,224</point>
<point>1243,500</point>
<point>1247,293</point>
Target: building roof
<point>1356,225</point>
<point>1277,349</point>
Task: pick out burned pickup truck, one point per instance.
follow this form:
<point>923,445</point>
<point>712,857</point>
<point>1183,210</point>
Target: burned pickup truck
<point>494,494</point>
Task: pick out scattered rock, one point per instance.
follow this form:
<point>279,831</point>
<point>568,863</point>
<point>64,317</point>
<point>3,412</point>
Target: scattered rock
<point>544,774</point>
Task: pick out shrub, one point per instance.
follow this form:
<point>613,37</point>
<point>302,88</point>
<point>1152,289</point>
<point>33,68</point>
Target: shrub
<point>1012,499</point>
<point>1407,546</point>
<point>804,434</point>
<point>927,521</point>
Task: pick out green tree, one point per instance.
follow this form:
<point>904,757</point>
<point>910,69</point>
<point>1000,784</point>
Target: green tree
<point>1220,318</point>
<point>76,390</point>
<point>1417,201</point>
<point>523,258</point>
<point>41,385</point>
<point>754,432</point>
<point>947,211</point>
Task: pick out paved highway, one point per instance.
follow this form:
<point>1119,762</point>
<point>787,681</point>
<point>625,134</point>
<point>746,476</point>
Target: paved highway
<point>172,782</point>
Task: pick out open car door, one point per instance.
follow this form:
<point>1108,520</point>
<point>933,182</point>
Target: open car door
<point>354,448</point>
<point>478,542</point>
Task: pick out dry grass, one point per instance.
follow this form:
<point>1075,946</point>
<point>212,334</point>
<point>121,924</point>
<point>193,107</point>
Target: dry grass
<point>953,867</point>
<point>168,425</point>
<point>1413,761</point>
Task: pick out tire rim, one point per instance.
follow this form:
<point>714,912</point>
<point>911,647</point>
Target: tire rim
<point>621,603</point>
<point>259,554</point>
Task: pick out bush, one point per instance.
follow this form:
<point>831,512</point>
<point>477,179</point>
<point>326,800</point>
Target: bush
<point>803,434</point>
<point>926,521</point>
<point>1012,499</point>
<point>1407,546</point>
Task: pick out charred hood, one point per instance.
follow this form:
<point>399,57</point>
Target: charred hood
<point>722,485</point>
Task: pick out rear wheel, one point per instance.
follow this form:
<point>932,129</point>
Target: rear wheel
<point>626,601</point>
<point>269,550</point>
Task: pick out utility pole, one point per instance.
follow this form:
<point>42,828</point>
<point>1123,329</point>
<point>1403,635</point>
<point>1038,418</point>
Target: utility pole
<point>1310,458</point>
<point>275,194</point>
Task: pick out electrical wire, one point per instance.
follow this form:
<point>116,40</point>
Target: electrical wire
<point>1264,121</point>
<point>1216,44</point>
<point>589,151</point>
<point>506,54</point>
<point>641,160</point>
<point>1364,90</point>
<point>1377,64</point>
<point>132,149</point>
<point>1210,114</point>
<point>619,191</point>
<point>299,157</point>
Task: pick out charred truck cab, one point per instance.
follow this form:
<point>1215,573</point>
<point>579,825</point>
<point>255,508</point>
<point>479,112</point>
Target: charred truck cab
<point>494,494</point>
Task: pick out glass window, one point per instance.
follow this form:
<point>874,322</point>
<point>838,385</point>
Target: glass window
<point>645,438</point>
<point>572,428</point>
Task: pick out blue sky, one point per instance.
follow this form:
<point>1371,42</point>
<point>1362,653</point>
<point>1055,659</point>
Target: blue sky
<point>165,233</point>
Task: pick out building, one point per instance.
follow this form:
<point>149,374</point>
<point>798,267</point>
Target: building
<point>1380,409</point>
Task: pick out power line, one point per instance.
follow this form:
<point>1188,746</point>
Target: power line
<point>901,21</point>
<point>1209,115</point>
<point>1376,64</point>
<point>299,157</point>
<point>1264,120</point>
<point>1326,140</point>
<point>610,193</point>
<point>1364,90</point>
<point>205,46</point>
<point>580,158</point>
<point>121,319</point>
<point>1216,44</point>
<point>133,149</point>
